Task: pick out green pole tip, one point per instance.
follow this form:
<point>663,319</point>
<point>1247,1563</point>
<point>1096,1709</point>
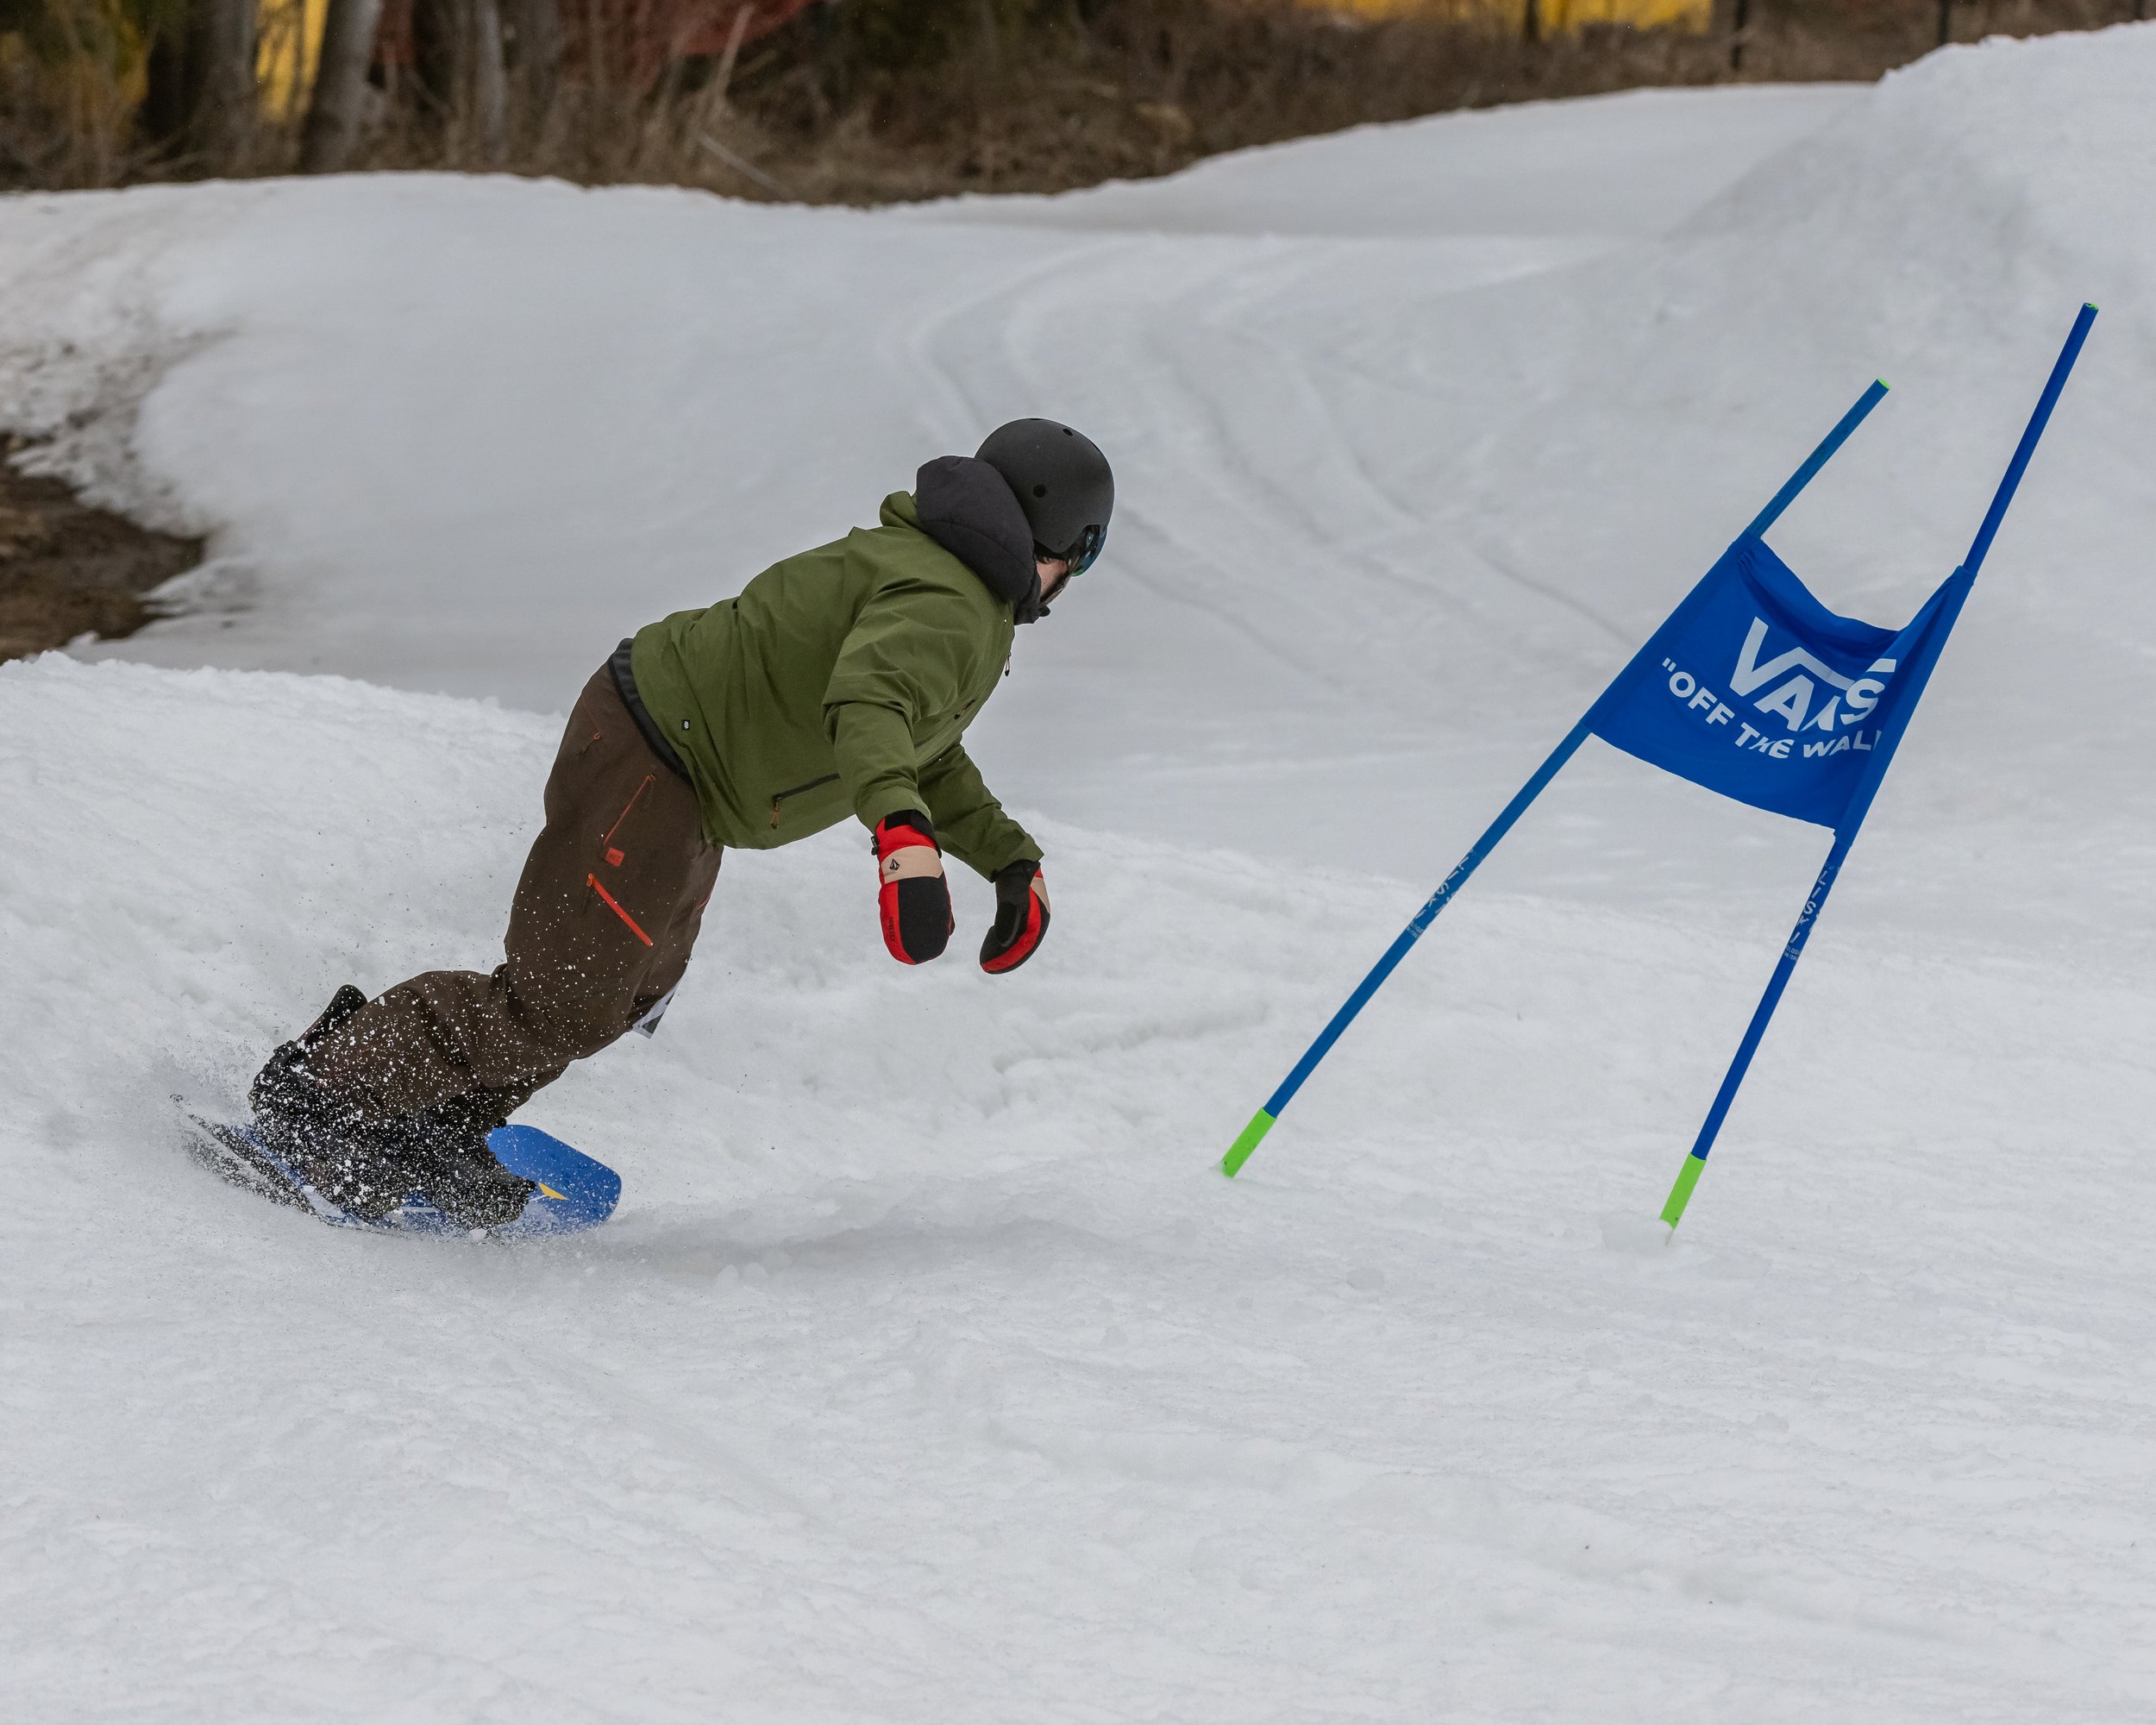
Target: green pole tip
<point>1680,1193</point>
<point>1252,1136</point>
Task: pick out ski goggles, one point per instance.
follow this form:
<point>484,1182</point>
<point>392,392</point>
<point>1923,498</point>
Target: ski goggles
<point>1081,555</point>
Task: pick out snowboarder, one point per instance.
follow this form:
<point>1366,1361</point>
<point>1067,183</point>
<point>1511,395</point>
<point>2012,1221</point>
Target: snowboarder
<point>839,681</point>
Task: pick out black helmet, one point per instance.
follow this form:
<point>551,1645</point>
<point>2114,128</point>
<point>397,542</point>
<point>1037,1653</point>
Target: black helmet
<point>1062,484</point>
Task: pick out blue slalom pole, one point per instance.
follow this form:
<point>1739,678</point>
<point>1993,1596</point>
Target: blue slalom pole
<point>1981,546</point>
<point>1263,1120</point>
<point>1953,594</point>
<point>1688,1176</point>
<point>1818,458</point>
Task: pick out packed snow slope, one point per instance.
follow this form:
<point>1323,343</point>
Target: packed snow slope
<point>929,1373</point>
<point>1630,165</point>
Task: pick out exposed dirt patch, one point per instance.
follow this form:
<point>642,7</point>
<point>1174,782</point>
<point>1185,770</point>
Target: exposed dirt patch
<point>67,569</point>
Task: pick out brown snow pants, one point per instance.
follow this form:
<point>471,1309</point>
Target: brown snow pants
<point>600,930</point>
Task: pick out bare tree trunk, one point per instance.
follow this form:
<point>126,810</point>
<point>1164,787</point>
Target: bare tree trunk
<point>439,34</point>
<point>722,80</point>
<point>224,111</point>
<point>334,110</point>
<point>710,106</point>
<point>536,28</point>
<point>490,81</point>
<point>200,94</point>
<point>168,95</point>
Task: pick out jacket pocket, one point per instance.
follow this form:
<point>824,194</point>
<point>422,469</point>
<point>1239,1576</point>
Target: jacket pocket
<point>779,798</point>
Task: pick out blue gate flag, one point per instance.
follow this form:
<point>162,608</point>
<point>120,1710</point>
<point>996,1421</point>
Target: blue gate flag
<point>1755,689</point>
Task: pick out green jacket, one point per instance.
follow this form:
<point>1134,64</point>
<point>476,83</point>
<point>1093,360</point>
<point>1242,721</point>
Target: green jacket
<point>838,681</point>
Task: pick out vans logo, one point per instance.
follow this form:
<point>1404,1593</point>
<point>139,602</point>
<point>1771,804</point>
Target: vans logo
<point>1801,693</point>
<point>1797,677</point>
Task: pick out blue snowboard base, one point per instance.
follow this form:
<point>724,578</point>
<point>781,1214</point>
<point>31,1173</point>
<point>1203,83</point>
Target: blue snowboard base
<point>575,1192</point>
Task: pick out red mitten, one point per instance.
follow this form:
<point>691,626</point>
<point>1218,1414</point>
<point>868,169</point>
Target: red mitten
<point>1021,918</point>
<point>914,899</point>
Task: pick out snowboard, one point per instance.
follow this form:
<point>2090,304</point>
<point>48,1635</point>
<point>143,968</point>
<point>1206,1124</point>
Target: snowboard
<point>575,1192</point>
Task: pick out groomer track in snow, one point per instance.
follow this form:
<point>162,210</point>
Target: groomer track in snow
<point>928,1371</point>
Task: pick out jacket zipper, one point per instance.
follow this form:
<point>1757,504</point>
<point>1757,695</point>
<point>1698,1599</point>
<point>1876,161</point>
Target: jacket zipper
<point>797,790</point>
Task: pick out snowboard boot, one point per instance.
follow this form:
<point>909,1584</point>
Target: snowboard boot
<point>446,1151</point>
<point>329,1141</point>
